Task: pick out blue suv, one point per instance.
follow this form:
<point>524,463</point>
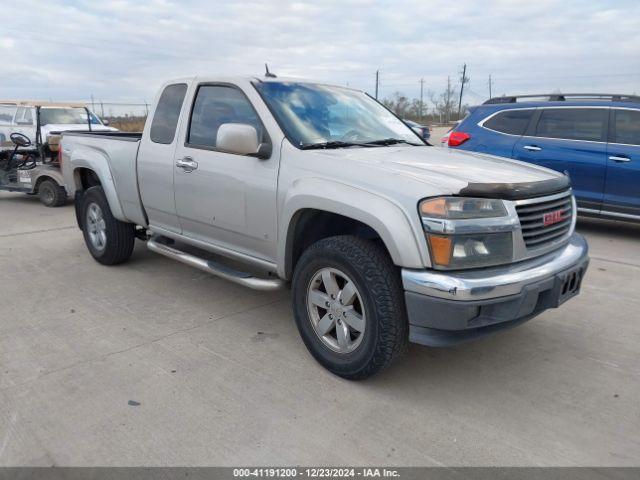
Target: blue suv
<point>593,137</point>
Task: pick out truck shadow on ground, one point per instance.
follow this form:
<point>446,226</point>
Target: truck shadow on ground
<point>491,362</point>
<point>487,363</point>
<point>613,228</point>
<point>28,199</point>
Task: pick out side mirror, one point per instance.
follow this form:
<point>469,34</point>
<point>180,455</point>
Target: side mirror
<point>106,123</point>
<point>418,130</point>
<point>241,139</point>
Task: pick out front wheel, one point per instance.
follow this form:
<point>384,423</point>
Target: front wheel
<point>109,240</point>
<point>348,304</point>
<point>51,194</point>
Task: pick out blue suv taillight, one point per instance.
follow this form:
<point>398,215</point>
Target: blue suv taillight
<point>458,138</point>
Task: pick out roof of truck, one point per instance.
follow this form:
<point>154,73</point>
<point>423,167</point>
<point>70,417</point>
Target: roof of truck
<point>42,103</point>
<point>233,79</point>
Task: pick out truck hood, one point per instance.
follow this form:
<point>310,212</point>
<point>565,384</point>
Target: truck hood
<point>444,171</point>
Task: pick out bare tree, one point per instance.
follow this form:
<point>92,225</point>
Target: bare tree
<point>445,102</point>
<point>398,104</point>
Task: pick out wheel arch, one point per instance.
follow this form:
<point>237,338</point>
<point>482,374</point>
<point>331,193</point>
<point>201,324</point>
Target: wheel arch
<point>308,217</point>
<point>48,174</point>
<point>92,172</point>
<point>40,179</point>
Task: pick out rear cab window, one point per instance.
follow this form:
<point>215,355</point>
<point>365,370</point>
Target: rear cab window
<point>626,127</point>
<point>586,124</point>
<point>165,118</point>
<point>512,122</point>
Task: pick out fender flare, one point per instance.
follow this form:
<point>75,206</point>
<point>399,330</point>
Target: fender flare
<point>386,218</point>
<point>98,163</point>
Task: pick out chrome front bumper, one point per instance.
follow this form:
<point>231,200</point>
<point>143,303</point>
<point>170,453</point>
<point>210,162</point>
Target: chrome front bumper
<point>496,282</point>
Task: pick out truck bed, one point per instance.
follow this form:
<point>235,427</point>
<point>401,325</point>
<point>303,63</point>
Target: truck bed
<point>115,155</point>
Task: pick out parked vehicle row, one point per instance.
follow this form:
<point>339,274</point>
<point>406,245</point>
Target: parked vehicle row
<point>423,130</point>
<point>37,120</point>
<point>594,138</point>
<point>29,135</point>
<point>383,239</point>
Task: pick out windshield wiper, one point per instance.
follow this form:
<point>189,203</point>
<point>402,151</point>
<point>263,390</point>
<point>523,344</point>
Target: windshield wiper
<point>330,144</point>
<point>391,141</point>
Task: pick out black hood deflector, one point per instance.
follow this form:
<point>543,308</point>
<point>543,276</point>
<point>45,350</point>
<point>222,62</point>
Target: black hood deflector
<point>517,191</point>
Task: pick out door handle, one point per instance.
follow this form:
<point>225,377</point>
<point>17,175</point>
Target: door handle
<point>619,159</point>
<point>532,148</point>
<point>188,164</point>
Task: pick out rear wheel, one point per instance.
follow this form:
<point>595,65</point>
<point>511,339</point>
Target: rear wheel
<point>109,240</point>
<point>51,194</point>
<point>349,306</point>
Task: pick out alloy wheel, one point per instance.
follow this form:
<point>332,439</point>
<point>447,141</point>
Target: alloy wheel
<point>336,310</point>
<point>96,227</point>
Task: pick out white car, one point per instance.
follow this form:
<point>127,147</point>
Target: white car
<point>22,117</point>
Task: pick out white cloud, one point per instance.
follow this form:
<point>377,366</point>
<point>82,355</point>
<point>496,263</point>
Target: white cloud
<point>123,50</point>
<point>6,43</point>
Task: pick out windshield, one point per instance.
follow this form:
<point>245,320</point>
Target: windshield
<point>313,114</point>
<point>66,116</point>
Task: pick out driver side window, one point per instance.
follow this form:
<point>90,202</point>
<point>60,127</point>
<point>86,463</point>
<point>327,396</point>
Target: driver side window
<point>216,105</point>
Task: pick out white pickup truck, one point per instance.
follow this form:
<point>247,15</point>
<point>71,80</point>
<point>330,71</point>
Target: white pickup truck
<point>382,238</point>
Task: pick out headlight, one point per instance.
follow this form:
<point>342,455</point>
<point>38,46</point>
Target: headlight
<point>462,208</point>
<point>467,232</point>
<point>469,251</point>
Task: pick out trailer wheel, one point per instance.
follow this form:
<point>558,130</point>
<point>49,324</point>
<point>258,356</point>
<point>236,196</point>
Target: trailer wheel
<point>51,194</point>
<point>109,240</point>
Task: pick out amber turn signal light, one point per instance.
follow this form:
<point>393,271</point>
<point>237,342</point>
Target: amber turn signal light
<point>434,208</point>
<point>440,249</point>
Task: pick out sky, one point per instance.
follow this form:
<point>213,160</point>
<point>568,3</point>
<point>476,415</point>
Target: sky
<point>123,50</point>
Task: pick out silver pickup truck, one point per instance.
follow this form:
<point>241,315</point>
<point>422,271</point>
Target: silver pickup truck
<point>383,239</point>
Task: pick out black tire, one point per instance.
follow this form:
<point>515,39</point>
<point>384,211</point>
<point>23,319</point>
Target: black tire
<point>120,236</point>
<point>378,281</point>
<point>51,194</point>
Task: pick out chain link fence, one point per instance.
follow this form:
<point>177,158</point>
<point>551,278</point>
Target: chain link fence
<point>126,117</point>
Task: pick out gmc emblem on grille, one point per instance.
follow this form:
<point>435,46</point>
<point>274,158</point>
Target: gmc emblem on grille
<point>552,217</point>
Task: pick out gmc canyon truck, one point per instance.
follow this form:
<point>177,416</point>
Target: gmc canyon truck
<point>384,240</point>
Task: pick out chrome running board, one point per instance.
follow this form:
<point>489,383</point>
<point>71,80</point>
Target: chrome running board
<point>219,270</point>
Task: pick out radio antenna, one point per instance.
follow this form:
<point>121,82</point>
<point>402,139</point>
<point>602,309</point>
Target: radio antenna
<point>267,73</point>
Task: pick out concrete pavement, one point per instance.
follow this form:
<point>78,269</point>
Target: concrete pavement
<point>155,363</point>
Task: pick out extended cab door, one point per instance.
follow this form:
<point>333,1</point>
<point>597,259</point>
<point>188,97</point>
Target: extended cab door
<point>573,140</point>
<point>622,187</point>
<point>156,159</point>
<point>225,199</point>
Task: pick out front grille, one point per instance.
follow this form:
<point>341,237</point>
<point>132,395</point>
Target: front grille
<point>545,221</point>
